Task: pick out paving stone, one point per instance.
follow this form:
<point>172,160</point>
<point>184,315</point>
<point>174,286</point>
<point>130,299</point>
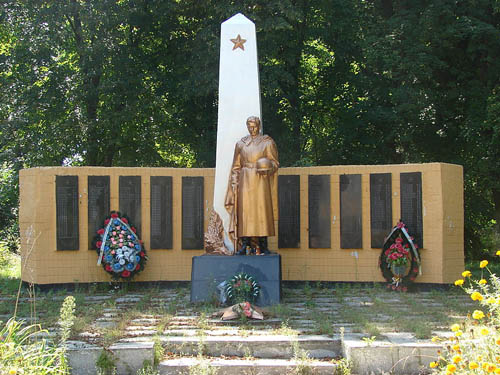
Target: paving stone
<point>82,357</point>
<point>105,324</point>
<point>384,356</point>
<point>129,357</point>
<point>272,346</point>
<point>244,366</point>
<point>97,298</point>
<point>144,321</point>
<point>128,299</point>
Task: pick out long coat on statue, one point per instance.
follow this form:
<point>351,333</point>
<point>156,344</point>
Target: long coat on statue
<point>252,210</point>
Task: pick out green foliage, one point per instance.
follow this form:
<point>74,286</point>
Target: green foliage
<point>10,271</point>
<point>134,83</point>
<point>475,340</point>
<point>105,364</point>
<point>67,317</point>
<point>22,351</point>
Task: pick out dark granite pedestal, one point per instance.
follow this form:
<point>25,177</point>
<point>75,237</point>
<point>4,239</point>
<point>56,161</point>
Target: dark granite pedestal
<point>208,271</point>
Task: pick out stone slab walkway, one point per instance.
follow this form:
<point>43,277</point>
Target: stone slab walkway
<point>376,330</point>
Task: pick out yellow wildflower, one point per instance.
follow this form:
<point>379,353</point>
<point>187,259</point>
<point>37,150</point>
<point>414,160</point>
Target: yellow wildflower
<point>483,263</point>
<point>491,367</point>
<point>456,358</point>
<point>433,364</point>
<point>491,301</point>
<point>497,371</point>
<point>456,347</point>
<point>455,327</point>
<point>498,341</point>
<point>451,368</point>
<point>482,281</point>
<point>459,282</point>
<point>458,333</point>
<point>435,339</point>
<point>484,331</point>
<point>473,365</point>
<point>498,253</point>
<point>476,296</point>
<point>479,358</point>
<point>466,274</point>
<point>12,371</point>
<point>478,314</point>
<point>485,365</point>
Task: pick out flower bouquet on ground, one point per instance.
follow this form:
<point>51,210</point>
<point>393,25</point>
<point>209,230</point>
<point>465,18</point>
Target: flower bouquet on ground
<point>241,310</point>
<point>400,259</point>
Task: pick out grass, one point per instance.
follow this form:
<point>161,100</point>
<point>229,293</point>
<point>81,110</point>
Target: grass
<point>419,312</point>
<point>10,271</point>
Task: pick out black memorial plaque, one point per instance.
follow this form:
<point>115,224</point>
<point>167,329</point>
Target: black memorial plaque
<point>192,213</point>
<point>289,211</point>
<point>319,211</point>
<point>351,234</point>
<point>130,200</point>
<point>411,205</point>
<point>67,221</point>
<point>380,208</point>
<point>161,212</point>
<point>98,204</point>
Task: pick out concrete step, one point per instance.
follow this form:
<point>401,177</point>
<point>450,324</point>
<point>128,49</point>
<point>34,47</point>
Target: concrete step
<point>246,366</point>
<point>270,346</point>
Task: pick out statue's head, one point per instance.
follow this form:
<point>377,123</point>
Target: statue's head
<point>253,125</point>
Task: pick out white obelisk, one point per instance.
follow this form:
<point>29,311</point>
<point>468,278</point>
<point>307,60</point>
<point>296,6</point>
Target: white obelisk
<point>239,98</point>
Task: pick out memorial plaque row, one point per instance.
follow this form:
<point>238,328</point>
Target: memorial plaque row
<point>351,231</point>
<point>67,209</point>
<point>161,214</point>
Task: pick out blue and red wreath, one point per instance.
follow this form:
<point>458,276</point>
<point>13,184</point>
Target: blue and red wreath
<point>120,252</point>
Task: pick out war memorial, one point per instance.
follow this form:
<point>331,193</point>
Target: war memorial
<point>328,223</point>
<point>246,223</point>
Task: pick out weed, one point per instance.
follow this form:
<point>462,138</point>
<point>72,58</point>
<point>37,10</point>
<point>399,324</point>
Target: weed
<point>322,323</point>
<point>202,322</point>
<point>148,369</point>
<point>307,290</point>
<point>105,364</point>
<point>22,352</point>
<point>369,340</point>
<point>203,367</point>
<point>281,311</point>
<point>285,330</point>
<point>343,367</point>
<point>158,351</point>
<point>302,360</point>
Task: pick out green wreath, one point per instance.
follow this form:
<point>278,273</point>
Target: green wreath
<point>242,288</point>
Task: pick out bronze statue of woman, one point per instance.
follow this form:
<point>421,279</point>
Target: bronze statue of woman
<point>249,193</point>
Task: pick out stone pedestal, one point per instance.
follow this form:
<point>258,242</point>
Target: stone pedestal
<point>208,271</point>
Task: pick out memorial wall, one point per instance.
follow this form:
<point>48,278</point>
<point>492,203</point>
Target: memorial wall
<point>331,220</point>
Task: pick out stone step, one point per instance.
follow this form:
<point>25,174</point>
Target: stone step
<point>245,366</point>
<point>265,346</point>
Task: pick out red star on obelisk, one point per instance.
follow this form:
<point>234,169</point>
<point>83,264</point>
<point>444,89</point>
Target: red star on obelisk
<point>238,42</point>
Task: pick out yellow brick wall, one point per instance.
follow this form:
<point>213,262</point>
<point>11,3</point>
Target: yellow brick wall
<point>442,197</point>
